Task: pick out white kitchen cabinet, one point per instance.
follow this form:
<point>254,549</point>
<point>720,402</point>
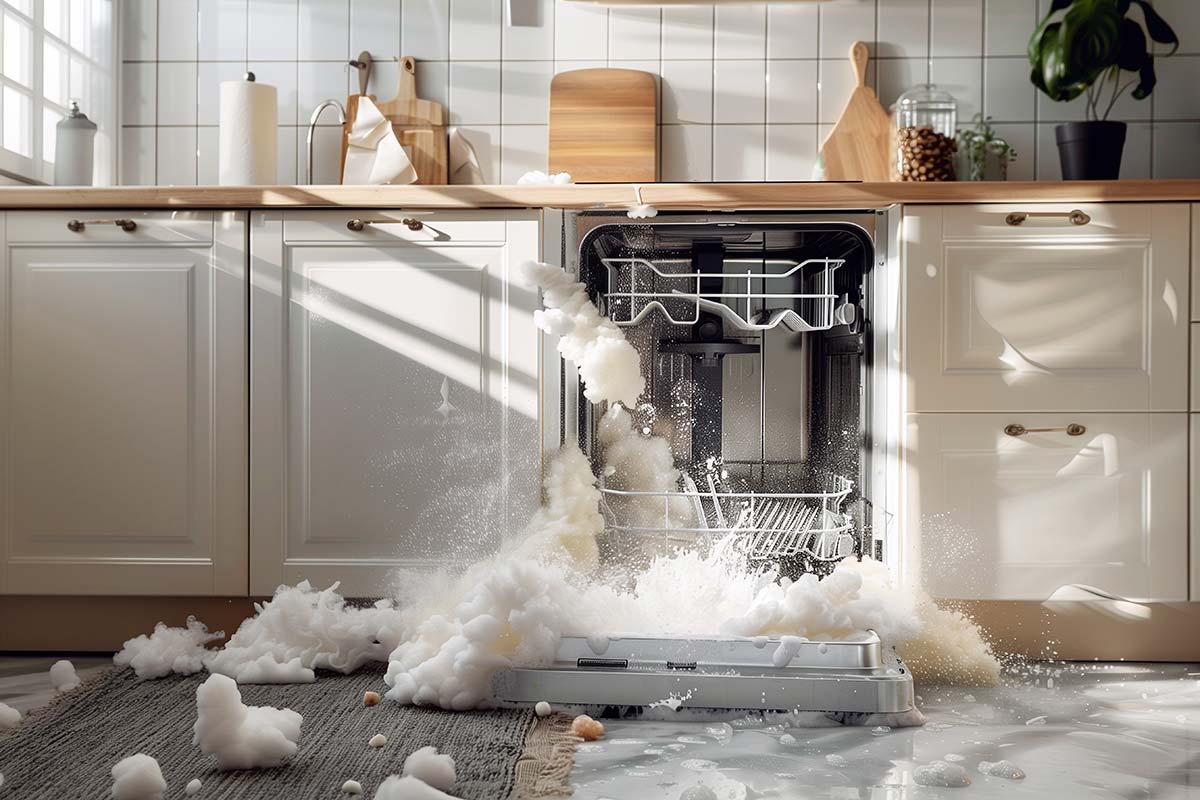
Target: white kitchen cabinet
<point>1047,315</point>
<point>995,516</point>
<point>124,403</point>
<point>1194,506</point>
<point>394,392</point>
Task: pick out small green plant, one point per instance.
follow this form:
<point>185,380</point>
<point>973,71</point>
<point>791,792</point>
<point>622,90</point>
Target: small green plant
<point>979,143</point>
<point>1087,46</point>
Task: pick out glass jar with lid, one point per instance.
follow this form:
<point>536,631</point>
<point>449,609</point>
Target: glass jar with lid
<point>924,119</point>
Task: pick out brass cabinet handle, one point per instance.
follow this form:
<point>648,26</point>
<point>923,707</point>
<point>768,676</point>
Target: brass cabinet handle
<point>77,225</point>
<point>361,224</point>
<point>1074,216</point>
<point>1017,429</point>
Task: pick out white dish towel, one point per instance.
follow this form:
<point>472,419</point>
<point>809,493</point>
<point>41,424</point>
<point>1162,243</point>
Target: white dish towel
<point>373,153</point>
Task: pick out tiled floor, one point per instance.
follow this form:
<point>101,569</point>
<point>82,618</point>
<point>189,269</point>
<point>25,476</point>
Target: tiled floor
<point>25,680</point>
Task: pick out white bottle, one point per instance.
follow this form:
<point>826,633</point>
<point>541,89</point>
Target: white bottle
<point>74,149</point>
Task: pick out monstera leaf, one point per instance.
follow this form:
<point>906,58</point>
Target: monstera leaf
<point>1081,42</point>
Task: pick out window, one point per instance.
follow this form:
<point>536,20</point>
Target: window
<point>54,51</point>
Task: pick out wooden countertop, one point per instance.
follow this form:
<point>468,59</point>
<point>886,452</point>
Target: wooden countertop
<point>661,195</point>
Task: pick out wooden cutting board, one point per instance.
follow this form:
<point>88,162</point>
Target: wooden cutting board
<point>857,149</point>
<point>420,125</point>
<point>603,126</point>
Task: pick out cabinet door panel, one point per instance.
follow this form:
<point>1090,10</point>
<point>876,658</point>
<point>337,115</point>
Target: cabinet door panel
<point>408,400</point>
<point>126,416</point>
<point>995,516</point>
<point>1051,317</point>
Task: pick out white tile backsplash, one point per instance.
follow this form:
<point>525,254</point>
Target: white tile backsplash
<point>747,91</point>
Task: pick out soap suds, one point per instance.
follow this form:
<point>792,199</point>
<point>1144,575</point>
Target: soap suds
<point>943,774</point>
<point>608,364</point>
<point>63,677</point>
<point>435,769</point>
<point>9,716</point>
<point>137,777</point>
<point>241,736</point>
<point>1002,769</point>
<point>538,178</point>
<point>408,788</point>
<point>168,650</point>
<point>265,669</point>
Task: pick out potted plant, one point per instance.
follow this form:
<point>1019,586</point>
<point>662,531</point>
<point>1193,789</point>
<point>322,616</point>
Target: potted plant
<point>986,155</point>
<point>1087,47</point>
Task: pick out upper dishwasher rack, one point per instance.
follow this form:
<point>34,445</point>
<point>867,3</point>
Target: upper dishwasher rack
<point>796,294</point>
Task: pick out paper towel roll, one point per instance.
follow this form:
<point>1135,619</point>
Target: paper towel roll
<point>248,133</point>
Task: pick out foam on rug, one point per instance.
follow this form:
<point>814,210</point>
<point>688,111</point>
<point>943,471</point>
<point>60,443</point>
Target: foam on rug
<point>67,749</point>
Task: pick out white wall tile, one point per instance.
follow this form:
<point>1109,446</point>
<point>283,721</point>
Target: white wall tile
<point>1008,25</point>
<point>739,91</point>
<point>177,30</point>
<point>475,93</point>
<point>272,30</point>
<point>791,152</point>
<point>176,93</point>
<point>1049,168</point>
<point>963,78</point>
<point>687,92</point>
<point>324,30</point>
<point>475,30</point>
<point>138,98</point>
<point>222,30</point>
<point>283,76</point>
<point>210,76</point>
<point>1126,108</point>
<point>208,171</point>
<point>791,91</point>
<point>286,155</point>
<point>687,153</point>
<point>139,30</point>
<point>687,33</point>
<point>634,34</point>
<point>138,161</point>
<point>486,141</point>
<point>425,29</point>
<point>375,27</point>
<point>903,29</point>
<point>433,82</point>
<point>522,149</point>
<point>898,75</point>
<point>1175,148</point>
<point>176,155</point>
<point>1177,95</point>
<point>531,41</point>
<point>571,66</point>
<point>837,82</point>
<point>1007,93</point>
<point>317,82</point>
<point>740,32</point>
<point>525,93</point>
<point>739,152</point>
<point>1184,17</point>
<point>956,28</point>
<point>844,23</point>
<point>580,31</point>
<point>792,30</point>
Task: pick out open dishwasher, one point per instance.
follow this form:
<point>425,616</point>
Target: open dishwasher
<point>768,342</point>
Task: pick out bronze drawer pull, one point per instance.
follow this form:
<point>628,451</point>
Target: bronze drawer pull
<point>77,225</point>
<point>1074,216</point>
<point>361,224</point>
<point>1017,429</point>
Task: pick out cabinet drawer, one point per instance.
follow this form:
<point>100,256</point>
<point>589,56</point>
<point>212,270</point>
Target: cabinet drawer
<point>381,227</point>
<point>1065,318</point>
<point>1051,220</point>
<point>996,516</point>
<point>99,227</point>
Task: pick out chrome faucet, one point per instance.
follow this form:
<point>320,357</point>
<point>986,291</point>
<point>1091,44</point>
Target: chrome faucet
<point>312,124</point>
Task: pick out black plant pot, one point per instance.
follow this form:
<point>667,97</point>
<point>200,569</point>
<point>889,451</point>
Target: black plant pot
<point>1090,151</point>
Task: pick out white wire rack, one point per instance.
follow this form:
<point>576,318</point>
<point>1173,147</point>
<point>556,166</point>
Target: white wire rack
<point>766,525</point>
<point>751,301</point>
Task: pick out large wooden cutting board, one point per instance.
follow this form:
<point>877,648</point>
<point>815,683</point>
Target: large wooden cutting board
<point>420,125</point>
<point>857,149</point>
<point>604,126</point>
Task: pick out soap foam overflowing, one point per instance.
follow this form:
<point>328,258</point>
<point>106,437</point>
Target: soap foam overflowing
<point>168,650</point>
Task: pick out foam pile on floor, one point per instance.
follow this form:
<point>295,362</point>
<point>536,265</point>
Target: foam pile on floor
<point>168,650</point>
<point>63,677</point>
<point>241,736</point>
<point>9,716</point>
<point>137,777</point>
<point>427,775</point>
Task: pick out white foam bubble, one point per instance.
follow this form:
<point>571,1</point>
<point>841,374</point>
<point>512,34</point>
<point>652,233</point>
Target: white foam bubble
<point>137,777</point>
<point>63,677</point>
<point>168,650</point>
<point>432,767</point>
<point>241,736</point>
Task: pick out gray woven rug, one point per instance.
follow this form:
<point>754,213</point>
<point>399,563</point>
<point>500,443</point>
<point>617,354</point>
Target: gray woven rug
<point>68,749</point>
